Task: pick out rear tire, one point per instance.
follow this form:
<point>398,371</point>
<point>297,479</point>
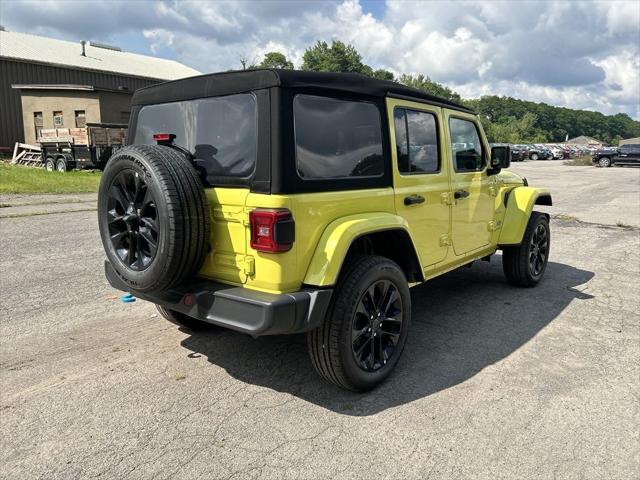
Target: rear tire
<point>524,265</point>
<point>61,165</point>
<point>364,333</point>
<point>183,320</point>
<point>534,156</point>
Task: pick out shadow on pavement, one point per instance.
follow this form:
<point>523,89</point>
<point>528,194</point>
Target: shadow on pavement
<point>462,322</point>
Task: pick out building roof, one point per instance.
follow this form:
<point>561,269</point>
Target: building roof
<point>32,48</point>
<point>227,83</point>
<point>75,88</point>
<point>583,139</point>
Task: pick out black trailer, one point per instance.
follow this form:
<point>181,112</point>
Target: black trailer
<point>91,146</point>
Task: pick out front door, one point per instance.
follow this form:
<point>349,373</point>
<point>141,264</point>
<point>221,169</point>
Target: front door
<point>472,189</point>
<point>420,176</point>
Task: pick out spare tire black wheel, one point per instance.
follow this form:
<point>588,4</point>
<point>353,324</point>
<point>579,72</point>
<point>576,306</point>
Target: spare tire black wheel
<point>153,217</point>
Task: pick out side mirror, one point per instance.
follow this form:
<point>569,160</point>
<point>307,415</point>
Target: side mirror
<point>500,157</point>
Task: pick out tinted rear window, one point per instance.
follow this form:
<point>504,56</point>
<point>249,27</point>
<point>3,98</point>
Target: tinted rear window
<point>220,132</point>
<point>337,138</point>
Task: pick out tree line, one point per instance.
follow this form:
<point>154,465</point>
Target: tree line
<point>505,119</point>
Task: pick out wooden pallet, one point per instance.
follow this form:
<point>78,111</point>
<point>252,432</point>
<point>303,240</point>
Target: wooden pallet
<point>25,154</point>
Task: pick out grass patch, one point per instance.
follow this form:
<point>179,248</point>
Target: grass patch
<point>19,179</point>
<point>583,161</point>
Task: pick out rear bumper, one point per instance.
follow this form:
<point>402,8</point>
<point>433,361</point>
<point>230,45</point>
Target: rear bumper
<point>237,308</point>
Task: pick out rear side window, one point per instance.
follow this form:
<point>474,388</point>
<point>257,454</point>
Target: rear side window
<point>337,138</point>
<point>220,132</point>
<point>466,147</point>
<point>416,141</point>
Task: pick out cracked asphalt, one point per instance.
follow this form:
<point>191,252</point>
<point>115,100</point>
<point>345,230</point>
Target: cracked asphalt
<point>495,381</point>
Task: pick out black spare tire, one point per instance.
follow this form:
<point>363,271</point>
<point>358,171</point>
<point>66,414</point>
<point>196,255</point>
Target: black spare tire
<point>153,217</point>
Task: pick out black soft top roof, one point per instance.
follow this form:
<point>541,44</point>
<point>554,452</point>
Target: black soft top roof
<point>226,83</point>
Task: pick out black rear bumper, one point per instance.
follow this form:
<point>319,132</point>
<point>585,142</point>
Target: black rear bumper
<point>237,308</point>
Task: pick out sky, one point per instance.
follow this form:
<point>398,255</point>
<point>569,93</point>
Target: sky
<point>583,55</point>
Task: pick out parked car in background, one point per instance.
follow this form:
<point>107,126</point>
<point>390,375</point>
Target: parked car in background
<point>518,153</point>
<point>625,155</point>
<point>556,152</point>
<point>543,152</point>
<point>537,152</point>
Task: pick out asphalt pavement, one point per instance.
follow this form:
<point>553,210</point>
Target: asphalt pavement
<point>496,382</point>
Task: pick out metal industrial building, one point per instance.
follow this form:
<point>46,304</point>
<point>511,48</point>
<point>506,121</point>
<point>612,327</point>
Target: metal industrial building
<point>39,64</point>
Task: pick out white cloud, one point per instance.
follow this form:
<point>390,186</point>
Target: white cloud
<point>577,54</point>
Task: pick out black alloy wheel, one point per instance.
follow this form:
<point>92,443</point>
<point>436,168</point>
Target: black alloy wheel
<point>376,326</point>
<point>524,264</point>
<point>362,337</point>
<point>133,220</point>
<point>538,250</point>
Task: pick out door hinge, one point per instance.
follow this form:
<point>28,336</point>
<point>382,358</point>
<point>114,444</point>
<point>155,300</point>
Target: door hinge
<point>249,266</point>
<point>492,226</point>
<point>445,240</point>
<point>446,198</point>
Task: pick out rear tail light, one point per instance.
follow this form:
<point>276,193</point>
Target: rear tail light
<point>272,230</point>
<point>163,137</point>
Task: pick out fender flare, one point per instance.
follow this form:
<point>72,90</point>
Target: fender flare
<point>337,238</point>
<point>520,202</point>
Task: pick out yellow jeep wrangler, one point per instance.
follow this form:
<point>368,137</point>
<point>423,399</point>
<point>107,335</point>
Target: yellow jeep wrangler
<point>273,202</point>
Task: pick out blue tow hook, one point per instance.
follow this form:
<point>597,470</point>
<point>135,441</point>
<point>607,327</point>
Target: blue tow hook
<point>128,298</point>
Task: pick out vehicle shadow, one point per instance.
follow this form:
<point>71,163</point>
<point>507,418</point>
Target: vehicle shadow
<point>462,322</point>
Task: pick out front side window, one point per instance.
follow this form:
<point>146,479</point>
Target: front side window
<point>416,141</point>
<point>337,138</point>
<point>220,132</point>
<point>466,147</point>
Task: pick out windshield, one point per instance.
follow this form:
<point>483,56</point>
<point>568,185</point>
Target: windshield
<point>220,132</point>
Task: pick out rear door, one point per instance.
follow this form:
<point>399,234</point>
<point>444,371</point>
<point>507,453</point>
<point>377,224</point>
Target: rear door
<point>472,189</point>
<point>420,176</point>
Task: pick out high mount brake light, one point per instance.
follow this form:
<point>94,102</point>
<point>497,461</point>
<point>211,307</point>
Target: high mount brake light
<point>163,137</point>
<point>272,230</point>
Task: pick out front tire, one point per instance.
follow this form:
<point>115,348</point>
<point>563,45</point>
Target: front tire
<point>524,265</point>
<point>604,162</point>
<point>534,156</point>
<point>364,333</point>
<point>49,164</point>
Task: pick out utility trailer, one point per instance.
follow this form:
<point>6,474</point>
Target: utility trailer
<point>91,146</point>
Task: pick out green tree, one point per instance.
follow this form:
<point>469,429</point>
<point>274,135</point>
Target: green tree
<point>338,57</point>
<point>382,74</point>
<point>276,60</point>
<point>424,83</point>
<point>516,130</point>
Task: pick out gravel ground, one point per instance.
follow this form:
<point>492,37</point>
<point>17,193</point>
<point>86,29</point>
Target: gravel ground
<point>495,381</point>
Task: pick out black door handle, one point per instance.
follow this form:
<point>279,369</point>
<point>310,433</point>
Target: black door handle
<point>460,194</point>
<point>413,200</point>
